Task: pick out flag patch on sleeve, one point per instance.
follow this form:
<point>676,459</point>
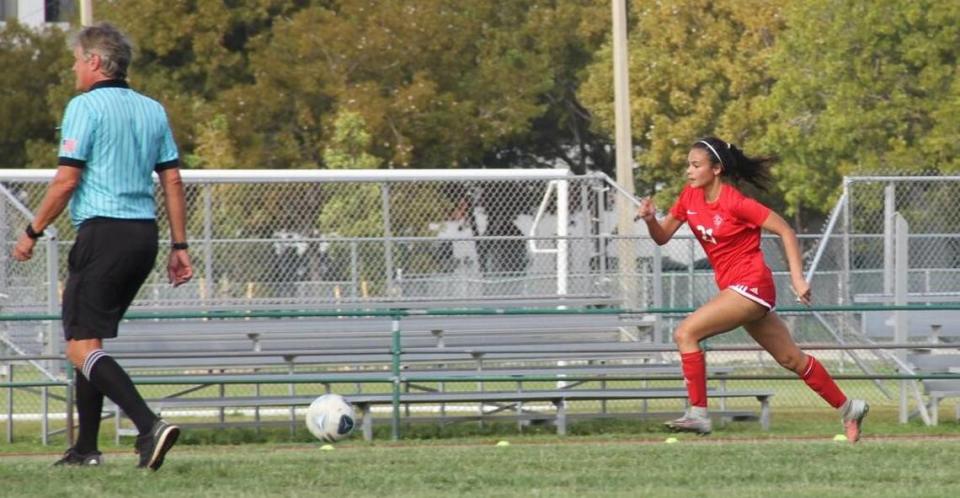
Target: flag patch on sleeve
<point>68,145</point>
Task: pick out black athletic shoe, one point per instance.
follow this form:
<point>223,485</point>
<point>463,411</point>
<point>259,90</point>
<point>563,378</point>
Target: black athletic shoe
<point>74,457</point>
<point>155,444</point>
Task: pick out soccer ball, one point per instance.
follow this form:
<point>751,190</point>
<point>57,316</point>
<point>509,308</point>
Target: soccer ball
<point>330,418</point>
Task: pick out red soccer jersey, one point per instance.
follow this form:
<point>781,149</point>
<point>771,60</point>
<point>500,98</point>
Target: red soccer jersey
<point>729,231</point>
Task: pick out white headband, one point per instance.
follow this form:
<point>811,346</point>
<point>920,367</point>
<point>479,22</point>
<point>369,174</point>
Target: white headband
<point>704,142</point>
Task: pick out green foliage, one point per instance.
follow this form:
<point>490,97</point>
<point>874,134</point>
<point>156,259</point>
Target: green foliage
<point>187,52</point>
<point>568,33</point>
<point>353,213</point>
<point>437,81</point>
<point>213,148</point>
<point>830,86</point>
<point>872,90</point>
<point>348,147</point>
<point>34,62</point>
<point>697,67</point>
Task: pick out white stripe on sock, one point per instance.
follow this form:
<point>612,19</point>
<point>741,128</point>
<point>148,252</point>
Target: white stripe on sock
<point>809,368</point>
<point>91,360</point>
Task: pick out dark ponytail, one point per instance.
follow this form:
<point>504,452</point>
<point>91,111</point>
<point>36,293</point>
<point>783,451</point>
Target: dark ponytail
<point>736,165</point>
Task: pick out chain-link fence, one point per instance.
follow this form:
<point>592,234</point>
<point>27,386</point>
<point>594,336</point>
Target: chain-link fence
<point>321,239</point>
<point>856,261</point>
<point>435,239</point>
<point>282,238</point>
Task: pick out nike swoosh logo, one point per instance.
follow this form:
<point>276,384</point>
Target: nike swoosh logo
<point>691,212</point>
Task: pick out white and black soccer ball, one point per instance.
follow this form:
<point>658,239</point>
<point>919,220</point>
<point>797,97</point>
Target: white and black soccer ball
<point>330,418</point>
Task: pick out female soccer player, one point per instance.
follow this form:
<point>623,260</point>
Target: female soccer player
<point>728,224</point>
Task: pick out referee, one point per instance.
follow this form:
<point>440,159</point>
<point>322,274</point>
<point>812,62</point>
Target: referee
<point>113,140</point>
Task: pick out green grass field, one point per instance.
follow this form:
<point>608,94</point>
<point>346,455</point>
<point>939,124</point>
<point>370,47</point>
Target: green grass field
<point>577,466</point>
<point>599,458</point>
<point>602,457</point>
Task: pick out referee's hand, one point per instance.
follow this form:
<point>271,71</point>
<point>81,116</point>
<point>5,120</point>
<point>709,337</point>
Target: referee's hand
<point>179,270</point>
<point>24,248</point>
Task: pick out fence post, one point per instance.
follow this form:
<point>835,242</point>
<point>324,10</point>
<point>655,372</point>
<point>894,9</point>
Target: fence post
<point>54,341</point>
<point>563,224</point>
<point>10,403</point>
<point>207,282</point>
<point>69,404</point>
<point>900,268</point>
<point>45,415</point>
<point>387,236</point>
<point>657,291</point>
<point>889,212</point>
<point>354,275</point>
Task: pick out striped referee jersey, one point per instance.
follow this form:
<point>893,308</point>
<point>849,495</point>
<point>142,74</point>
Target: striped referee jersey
<point>119,137</point>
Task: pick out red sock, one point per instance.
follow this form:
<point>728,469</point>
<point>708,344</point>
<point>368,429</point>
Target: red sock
<point>695,377</point>
<point>820,381</point>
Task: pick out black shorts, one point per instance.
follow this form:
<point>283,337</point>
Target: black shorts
<point>108,263</point>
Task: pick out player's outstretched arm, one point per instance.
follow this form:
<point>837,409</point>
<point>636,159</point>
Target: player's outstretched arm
<point>660,231</point>
<point>791,246</point>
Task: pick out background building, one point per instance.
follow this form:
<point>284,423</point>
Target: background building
<point>36,13</point>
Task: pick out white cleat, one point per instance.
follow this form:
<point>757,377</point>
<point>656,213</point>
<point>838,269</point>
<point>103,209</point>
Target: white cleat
<point>691,423</point>
<point>853,414</point>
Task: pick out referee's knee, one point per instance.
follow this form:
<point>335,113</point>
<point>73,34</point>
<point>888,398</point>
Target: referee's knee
<point>77,350</point>
<point>76,359</point>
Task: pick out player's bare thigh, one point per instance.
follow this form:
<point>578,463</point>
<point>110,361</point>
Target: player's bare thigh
<point>772,334</point>
<point>726,311</point>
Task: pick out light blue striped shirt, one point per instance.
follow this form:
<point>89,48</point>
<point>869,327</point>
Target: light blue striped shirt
<point>119,137</point>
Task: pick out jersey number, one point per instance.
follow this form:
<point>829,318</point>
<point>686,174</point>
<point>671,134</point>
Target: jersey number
<point>706,234</point>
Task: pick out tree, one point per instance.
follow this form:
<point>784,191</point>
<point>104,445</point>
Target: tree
<point>355,212</point>
<point>437,82</point>
<point>697,67</point>
<point>568,33</point>
<point>873,90</point>
<point>188,52</point>
<point>29,118</point>
<point>440,83</point>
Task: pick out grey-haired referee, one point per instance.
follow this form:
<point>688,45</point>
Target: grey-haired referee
<point>113,139</point>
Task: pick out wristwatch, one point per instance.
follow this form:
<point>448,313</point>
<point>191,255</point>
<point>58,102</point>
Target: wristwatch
<point>33,234</point>
<point>179,246</point>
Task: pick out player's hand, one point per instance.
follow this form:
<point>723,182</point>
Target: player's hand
<point>179,270</point>
<point>24,248</point>
<point>647,210</point>
<point>802,290</point>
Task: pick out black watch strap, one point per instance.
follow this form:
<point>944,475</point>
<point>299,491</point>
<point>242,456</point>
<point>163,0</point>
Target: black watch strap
<point>32,233</point>
<point>179,246</point>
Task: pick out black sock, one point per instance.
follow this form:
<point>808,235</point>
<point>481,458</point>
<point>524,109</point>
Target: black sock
<point>89,409</point>
<point>110,379</point>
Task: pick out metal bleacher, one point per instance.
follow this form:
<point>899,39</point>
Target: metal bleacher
<point>925,327</point>
<point>572,348</point>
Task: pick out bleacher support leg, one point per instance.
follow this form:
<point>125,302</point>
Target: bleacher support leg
<point>256,409</point>
<point>395,364</point>
<point>764,412</point>
<point>45,421</point>
<point>222,414</point>
<point>10,404</point>
<point>934,410</point>
<point>116,424</point>
<point>367,423</point>
<point>561,416</point>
